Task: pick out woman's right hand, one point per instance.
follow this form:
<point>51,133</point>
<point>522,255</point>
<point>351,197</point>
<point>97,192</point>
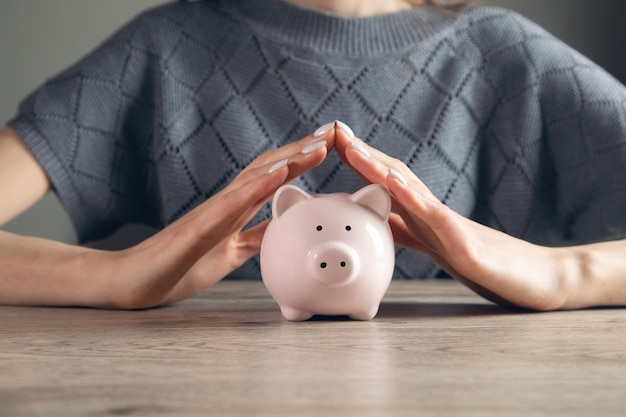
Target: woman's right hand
<point>209,242</point>
<point>181,260</point>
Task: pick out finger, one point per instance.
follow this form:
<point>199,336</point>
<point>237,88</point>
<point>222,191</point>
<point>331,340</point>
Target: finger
<point>249,241</point>
<point>417,202</point>
<point>419,208</point>
<point>366,161</point>
<point>403,236</point>
<point>321,134</point>
<point>375,166</point>
<point>411,238</point>
<point>308,157</point>
<point>233,209</point>
<point>219,216</point>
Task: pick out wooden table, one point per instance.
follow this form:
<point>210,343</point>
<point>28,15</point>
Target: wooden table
<point>434,349</point>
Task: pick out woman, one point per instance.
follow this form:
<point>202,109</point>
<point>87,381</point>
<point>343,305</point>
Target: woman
<point>497,142</point>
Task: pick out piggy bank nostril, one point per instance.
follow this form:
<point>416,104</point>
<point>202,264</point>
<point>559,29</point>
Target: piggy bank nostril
<point>323,265</point>
<point>343,264</point>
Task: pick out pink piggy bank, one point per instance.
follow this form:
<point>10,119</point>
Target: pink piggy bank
<point>328,254</point>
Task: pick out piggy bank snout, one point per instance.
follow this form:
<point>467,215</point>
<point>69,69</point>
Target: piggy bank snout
<point>334,263</point>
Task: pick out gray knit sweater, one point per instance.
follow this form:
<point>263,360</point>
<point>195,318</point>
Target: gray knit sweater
<point>503,122</point>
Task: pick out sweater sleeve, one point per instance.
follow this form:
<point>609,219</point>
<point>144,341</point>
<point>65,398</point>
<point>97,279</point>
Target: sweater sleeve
<point>90,128</point>
<point>557,137</point>
<point>584,128</point>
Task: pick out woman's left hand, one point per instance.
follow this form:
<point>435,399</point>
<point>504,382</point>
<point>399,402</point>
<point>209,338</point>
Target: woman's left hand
<point>499,267</point>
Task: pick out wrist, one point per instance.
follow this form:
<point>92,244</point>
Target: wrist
<point>590,272</point>
<point>569,277</point>
<point>102,277</point>
<point>122,280</point>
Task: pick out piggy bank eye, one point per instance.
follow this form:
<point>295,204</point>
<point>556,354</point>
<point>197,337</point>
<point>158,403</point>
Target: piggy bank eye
<point>319,228</point>
<point>348,228</point>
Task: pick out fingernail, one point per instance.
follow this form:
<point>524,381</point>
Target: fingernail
<point>345,129</point>
<point>360,149</point>
<point>395,174</point>
<point>321,131</point>
<point>313,147</point>
<point>278,165</point>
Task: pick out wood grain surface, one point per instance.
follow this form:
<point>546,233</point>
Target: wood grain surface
<point>435,348</point>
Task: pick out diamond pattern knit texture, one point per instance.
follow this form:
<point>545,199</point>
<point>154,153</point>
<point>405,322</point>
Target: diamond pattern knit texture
<point>504,123</point>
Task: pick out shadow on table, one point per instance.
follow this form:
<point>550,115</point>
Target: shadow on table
<point>434,310</point>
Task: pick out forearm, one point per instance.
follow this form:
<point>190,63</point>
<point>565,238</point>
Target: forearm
<point>184,258</point>
<point>36,271</point>
<point>596,275</point>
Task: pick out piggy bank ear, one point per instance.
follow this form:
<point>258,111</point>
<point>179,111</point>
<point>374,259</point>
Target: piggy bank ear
<point>285,197</point>
<point>376,198</point>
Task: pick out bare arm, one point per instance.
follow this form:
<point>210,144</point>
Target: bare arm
<point>22,180</point>
<point>499,267</point>
<point>24,260</point>
<point>181,260</point>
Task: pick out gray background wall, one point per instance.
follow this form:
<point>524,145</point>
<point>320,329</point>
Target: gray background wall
<point>41,37</point>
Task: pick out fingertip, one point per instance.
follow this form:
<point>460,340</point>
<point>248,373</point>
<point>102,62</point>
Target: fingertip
<point>278,165</point>
<point>352,154</point>
<point>345,129</point>
<point>360,148</point>
<point>343,135</point>
<point>314,147</point>
<point>277,174</point>
<point>395,175</point>
<point>309,158</point>
<point>323,130</point>
<point>397,184</point>
<point>324,133</point>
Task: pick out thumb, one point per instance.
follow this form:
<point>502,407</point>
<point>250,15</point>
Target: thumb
<point>403,236</point>
<point>249,240</point>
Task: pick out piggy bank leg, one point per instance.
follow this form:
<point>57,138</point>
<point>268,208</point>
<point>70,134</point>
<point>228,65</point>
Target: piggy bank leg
<point>365,314</point>
<point>293,314</point>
